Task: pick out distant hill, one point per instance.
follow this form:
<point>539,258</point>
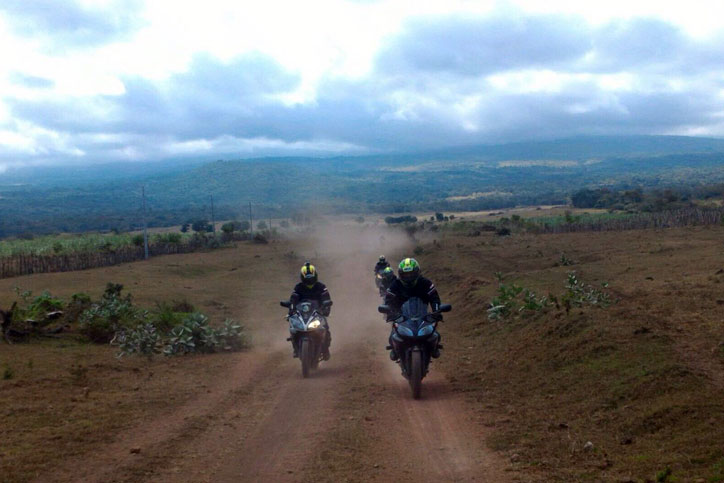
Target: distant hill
<point>472,177</point>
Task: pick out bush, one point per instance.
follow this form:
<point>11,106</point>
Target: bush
<point>391,220</point>
<point>137,240</point>
<point>112,314</point>
<point>143,339</point>
<point>578,294</point>
<point>41,305</point>
<point>79,303</point>
<point>170,238</point>
<point>194,335</point>
<point>259,238</point>
<point>201,226</point>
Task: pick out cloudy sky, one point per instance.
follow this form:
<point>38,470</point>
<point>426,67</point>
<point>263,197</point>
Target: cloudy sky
<point>87,81</point>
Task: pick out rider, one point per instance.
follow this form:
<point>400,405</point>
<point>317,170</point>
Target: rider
<point>381,264</point>
<point>410,284</point>
<point>312,289</point>
<point>388,276</point>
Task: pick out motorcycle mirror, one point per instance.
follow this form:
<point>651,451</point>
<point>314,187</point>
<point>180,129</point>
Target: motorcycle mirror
<point>327,303</point>
<point>383,309</point>
<point>445,308</point>
<point>285,303</point>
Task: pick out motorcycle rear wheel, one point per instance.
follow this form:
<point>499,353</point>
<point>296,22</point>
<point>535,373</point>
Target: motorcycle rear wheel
<point>416,373</point>
<point>305,355</point>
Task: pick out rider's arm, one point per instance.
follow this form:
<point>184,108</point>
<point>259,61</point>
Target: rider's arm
<point>324,296</point>
<point>433,297</point>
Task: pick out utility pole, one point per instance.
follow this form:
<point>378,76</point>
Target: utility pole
<point>213,221</point>
<point>251,223</point>
<point>145,225</point>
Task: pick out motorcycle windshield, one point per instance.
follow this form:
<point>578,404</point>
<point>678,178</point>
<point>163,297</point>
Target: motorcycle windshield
<point>414,308</point>
<point>306,308</point>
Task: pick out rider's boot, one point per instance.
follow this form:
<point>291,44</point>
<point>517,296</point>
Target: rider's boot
<point>436,351</point>
<point>393,353</point>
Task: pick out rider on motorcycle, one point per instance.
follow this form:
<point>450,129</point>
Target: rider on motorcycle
<point>381,264</point>
<point>388,276</point>
<point>312,289</point>
<point>410,284</point>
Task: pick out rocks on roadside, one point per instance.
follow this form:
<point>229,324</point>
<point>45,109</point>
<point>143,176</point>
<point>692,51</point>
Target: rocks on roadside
<point>588,446</point>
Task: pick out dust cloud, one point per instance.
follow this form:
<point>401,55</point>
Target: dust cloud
<point>345,257</point>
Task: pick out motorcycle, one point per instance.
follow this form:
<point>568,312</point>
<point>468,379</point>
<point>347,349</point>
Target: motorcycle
<point>383,281</point>
<point>308,331</point>
<point>415,339</point>
<point>380,283</point>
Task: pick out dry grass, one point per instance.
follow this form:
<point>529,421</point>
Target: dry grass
<point>642,380</point>
<point>64,397</point>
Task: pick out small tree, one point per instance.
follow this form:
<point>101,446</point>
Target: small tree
<point>185,227</point>
<point>261,225</point>
<point>229,228</point>
<point>439,216</point>
<point>201,226</point>
<point>244,225</point>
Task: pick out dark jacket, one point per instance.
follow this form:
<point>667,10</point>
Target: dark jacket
<point>317,293</point>
<point>381,266</point>
<point>397,294</point>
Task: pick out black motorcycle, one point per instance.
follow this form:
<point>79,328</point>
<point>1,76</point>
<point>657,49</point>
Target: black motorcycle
<point>308,329</point>
<point>415,339</point>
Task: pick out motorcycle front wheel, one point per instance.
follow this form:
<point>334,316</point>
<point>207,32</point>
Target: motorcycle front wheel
<point>305,355</point>
<point>416,373</point>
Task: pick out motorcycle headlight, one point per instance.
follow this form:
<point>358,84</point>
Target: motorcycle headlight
<point>315,324</point>
<point>405,331</point>
<point>297,323</point>
<point>425,330</point>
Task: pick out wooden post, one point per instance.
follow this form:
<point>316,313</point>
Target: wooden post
<point>145,227</point>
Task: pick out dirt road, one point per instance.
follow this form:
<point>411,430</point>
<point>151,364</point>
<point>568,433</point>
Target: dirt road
<point>353,420</point>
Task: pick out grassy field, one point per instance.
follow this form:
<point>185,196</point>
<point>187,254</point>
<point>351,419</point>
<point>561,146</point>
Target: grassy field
<point>64,397</point>
<point>642,380</point>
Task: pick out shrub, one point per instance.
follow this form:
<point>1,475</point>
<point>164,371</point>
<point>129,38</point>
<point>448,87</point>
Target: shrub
<point>144,339</point>
<point>137,240</point>
<point>259,238</point>
<point>79,302</point>
<point>201,226</point>
<point>170,238</point>
<point>112,314</point>
<point>578,294</point>
<point>42,304</point>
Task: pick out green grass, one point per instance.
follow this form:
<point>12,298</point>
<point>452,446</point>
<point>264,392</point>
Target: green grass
<point>66,244</point>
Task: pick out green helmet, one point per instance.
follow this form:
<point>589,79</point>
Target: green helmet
<point>388,273</point>
<point>408,271</point>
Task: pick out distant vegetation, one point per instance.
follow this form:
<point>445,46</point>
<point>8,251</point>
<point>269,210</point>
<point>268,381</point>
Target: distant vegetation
<point>303,188</point>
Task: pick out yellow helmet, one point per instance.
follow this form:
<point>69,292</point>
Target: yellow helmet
<point>308,274</point>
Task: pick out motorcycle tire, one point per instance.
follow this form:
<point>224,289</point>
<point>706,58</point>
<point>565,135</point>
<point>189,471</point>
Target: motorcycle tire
<point>416,373</point>
<point>305,356</point>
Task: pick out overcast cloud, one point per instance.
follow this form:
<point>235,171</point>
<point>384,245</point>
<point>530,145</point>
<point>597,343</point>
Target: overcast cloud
<point>86,83</point>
